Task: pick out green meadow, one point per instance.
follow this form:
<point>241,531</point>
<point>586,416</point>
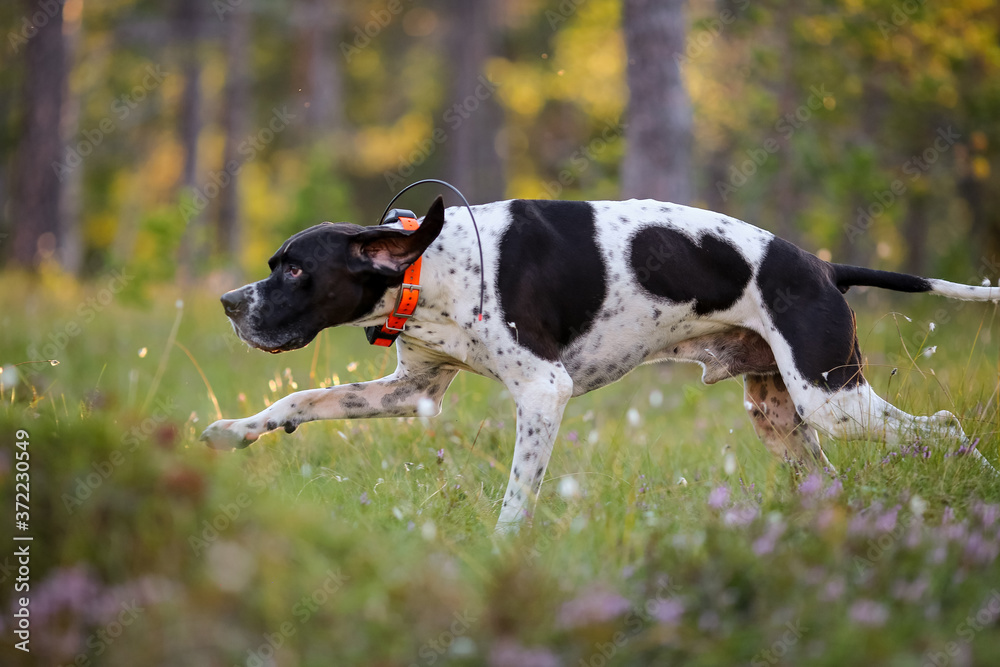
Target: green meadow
<point>665,533</point>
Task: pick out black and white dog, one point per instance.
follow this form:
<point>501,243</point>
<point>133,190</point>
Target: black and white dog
<point>577,294</point>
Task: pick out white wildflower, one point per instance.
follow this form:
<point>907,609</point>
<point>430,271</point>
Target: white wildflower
<point>569,488</point>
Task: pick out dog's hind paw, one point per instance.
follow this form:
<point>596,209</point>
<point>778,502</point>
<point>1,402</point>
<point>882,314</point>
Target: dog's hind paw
<point>227,434</point>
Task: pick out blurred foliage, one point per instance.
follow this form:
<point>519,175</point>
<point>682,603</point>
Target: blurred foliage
<point>369,542</point>
<point>805,116</point>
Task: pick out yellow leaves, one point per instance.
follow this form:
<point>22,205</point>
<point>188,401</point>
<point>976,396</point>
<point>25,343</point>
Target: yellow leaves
<point>979,140</point>
<point>378,148</point>
<point>101,229</point>
<point>365,64</point>
<point>162,169</point>
<point>946,96</point>
<point>980,167</point>
<point>588,60</point>
<point>526,186</point>
<point>819,29</point>
<point>522,88</point>
<point>902,46</point>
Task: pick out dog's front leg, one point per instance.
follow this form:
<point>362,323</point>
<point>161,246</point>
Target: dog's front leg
<point>540,405</point>
<point>405,393</point>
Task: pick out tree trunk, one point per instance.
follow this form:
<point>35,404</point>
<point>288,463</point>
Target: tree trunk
<point>473,118</point>
<point>71,241</point>
<point>319,73</point>
<point>37,186</point>
<point>187,22</point>
<point>236,107</point>
<point>658,135</point>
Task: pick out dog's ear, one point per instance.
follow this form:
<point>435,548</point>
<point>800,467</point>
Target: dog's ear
<point>390,251</point>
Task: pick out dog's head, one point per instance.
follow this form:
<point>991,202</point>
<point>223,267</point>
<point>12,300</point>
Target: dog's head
<point>330,274</point>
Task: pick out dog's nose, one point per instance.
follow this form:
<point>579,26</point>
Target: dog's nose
<point>232,302</point>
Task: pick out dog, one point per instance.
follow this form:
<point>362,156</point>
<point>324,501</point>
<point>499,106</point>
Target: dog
<point>575,295</point>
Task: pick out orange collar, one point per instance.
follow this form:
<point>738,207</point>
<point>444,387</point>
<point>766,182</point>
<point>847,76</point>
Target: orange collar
<point>409,293</point>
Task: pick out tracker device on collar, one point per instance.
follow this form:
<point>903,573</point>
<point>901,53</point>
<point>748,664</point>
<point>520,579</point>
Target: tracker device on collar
<point>409,292</point>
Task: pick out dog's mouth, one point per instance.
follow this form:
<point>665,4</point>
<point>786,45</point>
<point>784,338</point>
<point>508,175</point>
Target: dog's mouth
<point>269,344</point>
<point>293,344</point>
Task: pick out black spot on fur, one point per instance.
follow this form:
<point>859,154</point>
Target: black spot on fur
<point>551,244</point>
<point>668,264</point>
<point>810,313</point>
<point>354,402</point>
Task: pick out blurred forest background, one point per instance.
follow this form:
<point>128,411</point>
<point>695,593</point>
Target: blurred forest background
<point>186,139</point>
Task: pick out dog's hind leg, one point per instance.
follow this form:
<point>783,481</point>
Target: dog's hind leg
<point>779,426</point>
<point>812,333</point>
<point>858,413</point>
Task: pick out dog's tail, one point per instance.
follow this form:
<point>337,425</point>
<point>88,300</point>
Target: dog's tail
<point>846,276</point>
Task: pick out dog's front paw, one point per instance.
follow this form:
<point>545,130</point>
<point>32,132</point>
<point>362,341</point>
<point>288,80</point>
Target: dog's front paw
<point>227,434</point>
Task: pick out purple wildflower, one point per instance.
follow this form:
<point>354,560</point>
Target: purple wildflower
<point>887,522</point>
<point>825,518</point>
<point>910,591</point>
<point>765,544</point>
<point>508,653</point>
<point>573,437</point>
<point>592,608</point>
<point>979,550</point>
<point>833,589</point>
<point>740,516</point>
<point>987,513</point>
<point>811,485</point>
<point>440,456</point>
<point>668,612</point>
<point>363,499</point>
<point>718,497</point>
<point>869,613</point>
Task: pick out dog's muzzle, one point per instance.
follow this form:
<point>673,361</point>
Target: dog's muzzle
<point>234,303</point>
<point>240,311</point>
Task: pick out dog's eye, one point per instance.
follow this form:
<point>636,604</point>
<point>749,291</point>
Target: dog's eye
<point>293,271</point>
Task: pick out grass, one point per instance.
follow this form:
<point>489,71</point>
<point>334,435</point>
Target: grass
<point>371,542</point>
